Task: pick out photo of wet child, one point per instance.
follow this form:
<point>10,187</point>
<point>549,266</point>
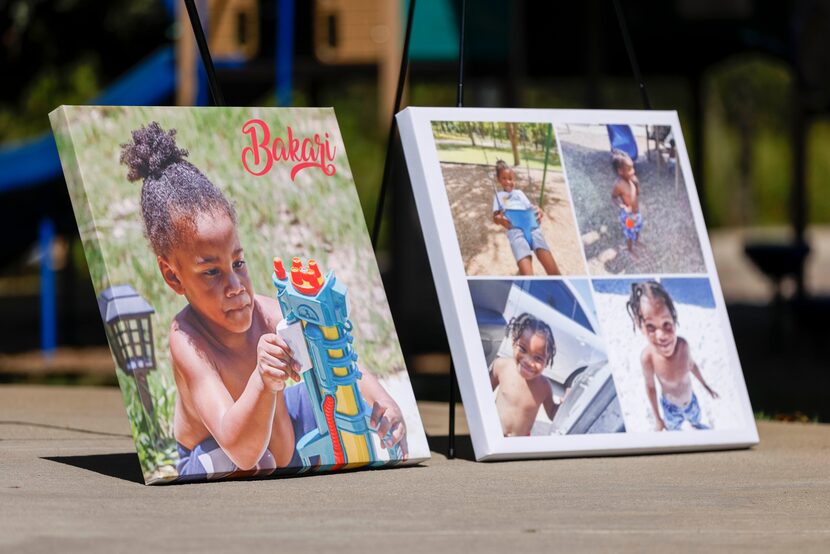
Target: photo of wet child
<point>669,357</point>
<point>510,206</point>
<point>547,365</point>
<point>630,197</point>
<point>174,215</point>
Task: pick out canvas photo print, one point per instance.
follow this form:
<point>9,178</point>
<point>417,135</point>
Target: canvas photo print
<point>239,291</point>
<point>510,207</point>
<point>630,198</point>
<point>547,363</point>
<point>669,357</point>
<point>576,281</point>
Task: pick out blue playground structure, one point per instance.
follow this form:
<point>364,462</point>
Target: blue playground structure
<point>622,138</point>
<point>36,160</point>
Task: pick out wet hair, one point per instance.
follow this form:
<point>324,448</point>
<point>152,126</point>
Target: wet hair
<point>652,290</point>
<point>174,192</point>
<point>619,159</point>
<point>501,167</point>
<point>526,322</point>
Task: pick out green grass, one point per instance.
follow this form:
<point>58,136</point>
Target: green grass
<point>487,155</point>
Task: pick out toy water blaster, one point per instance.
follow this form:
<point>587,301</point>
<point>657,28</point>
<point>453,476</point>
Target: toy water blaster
<point>316,326</point>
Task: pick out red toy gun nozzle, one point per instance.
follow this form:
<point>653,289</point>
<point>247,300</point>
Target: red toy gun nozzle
<point>314,271</point>
<point>279,270</point>
<point>296,277</point>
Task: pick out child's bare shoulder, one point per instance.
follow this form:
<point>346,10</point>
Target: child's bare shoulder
<point>682,347</point>
<point>501,363</point>
<point>542,388</point>
<point>270,309</point>
<point>188,345</point>
<point>645,358</point>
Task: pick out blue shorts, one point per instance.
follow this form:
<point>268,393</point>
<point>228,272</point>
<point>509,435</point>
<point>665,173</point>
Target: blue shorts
<point>519,245</point>
<point>631,224</point>
<point>674,415</point>
<point>208,460</point>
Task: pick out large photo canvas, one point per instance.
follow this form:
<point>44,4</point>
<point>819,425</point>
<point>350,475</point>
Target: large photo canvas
<point>239,291</point>
<point>576,281</point>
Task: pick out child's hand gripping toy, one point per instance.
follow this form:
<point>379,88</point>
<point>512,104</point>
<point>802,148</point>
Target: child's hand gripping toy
<point>316,326</point>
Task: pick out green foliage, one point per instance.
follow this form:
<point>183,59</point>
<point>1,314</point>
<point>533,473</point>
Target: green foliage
<point>153,435</point>
<point>747,125</point>
<point>483,143</point>
<point>75,84</point>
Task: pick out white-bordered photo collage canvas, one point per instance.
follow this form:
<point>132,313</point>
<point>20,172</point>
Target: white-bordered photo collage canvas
<point>576,280</point>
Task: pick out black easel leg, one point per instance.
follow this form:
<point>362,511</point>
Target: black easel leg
<point>393,126</point>
<point>451,433</point>
<point>204,51</point>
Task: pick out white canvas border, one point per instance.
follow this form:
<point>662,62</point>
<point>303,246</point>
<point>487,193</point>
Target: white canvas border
<point>459,316</point>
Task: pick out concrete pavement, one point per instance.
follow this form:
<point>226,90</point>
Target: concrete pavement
<point>70,482</point>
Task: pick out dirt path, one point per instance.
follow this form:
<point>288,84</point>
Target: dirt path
<point>669,240</point>
<point>484,246</point>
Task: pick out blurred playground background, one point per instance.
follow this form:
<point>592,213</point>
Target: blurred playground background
<point>468,152</point>
<point>751,82</point>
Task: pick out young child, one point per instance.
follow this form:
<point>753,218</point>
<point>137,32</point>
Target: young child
<point>512,199</point>
<point>233,410</point>
<point>625,196</point>
<point>522,388</point>
<point>666,358</point>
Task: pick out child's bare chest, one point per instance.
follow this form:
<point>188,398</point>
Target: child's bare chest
<point>627,191</point>
<point>674,371</point>
<point>521,393</point>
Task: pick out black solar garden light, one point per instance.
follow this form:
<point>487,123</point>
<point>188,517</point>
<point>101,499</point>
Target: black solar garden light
<point>127,319</point>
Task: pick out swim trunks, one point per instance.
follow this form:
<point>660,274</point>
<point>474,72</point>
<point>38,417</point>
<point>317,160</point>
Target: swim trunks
<point>208,460</point>
<point>631,224</point>
<point>674,415</point>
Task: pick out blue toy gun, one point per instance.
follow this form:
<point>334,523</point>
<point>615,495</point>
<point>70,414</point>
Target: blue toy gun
<point>317,308</point>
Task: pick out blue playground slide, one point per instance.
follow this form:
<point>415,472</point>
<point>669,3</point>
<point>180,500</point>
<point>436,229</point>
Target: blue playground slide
<point>623,139</point>
<point>34,161</point>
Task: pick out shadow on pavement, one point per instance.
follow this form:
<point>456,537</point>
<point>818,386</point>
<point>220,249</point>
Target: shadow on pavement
<point>463,446</point>
<point>121,466</point>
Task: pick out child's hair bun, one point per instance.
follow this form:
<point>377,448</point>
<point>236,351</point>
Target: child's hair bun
<point>151,151</point>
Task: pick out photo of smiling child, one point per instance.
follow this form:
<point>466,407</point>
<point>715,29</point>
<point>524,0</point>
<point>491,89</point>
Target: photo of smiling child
<point>666,359</point>
<point>520,219</point>
<point>195,234</point>
<point>670,360</point>
<point>521,388</point>
<point>510,206</point>
<point>547,363</point>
